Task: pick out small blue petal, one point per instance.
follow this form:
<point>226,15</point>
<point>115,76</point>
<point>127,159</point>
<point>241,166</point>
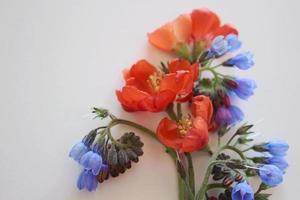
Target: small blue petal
<point>85,159</point>
<point>242,61</point>
<point>78,150</point>
<point>279,162</point>
<point>219,45</point>
<point>270,175</point>
<point>242,191</point>
<point>80,181</point>
<point>277,147</point>
<point>233,42</point>
<point>245,88</point>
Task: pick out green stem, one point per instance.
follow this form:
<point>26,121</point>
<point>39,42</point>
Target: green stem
<point>236,150</point>
<point>179,111</point>
<point>215,185</point>
<point>201,193</point>
<point>248,149</point>
<point>171,152</point>
<point>171,113</point>
<point>191,172</point>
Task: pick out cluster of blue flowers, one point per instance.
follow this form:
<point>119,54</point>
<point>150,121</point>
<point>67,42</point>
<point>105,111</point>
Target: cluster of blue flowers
<point>271,173</point>
<point>243,87</point>
<point>91,160</point>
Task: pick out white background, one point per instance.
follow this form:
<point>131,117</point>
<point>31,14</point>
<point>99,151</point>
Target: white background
<point>58,58</point>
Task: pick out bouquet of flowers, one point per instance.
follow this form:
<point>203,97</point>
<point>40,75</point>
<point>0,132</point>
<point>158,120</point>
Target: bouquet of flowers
<point>199,43</point>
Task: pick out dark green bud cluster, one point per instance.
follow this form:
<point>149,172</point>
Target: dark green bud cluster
<point>119,154</point>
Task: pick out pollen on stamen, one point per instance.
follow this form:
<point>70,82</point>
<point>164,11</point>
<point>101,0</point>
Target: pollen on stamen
<point>155,80</point>
<point>184,125</point>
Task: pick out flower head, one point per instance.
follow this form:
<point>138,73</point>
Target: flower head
<point>87,180</point>
<point>242,191</point>
<point>245,88</point>
<point>270,175</point>
<point>147,89</point>
<point>278,161</point>
<point>187,135</point>
<point>92,160</point>
<point>233,42</point>
<point>219,46</point>
<point>202,107</point>
<point>242,61</point>
<point>276,147</point>
<point>202,25</point>
<point>78,150</point>
<point>190,133</point>
<point>228,115</point>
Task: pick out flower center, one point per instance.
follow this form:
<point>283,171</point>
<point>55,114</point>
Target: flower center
<point>184,125</point>
<point>155,80</point>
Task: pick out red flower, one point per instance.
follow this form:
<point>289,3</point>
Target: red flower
<point>147,89</point>
<point>200,25</point>
<point>189,133</point>
<point>181,64</point>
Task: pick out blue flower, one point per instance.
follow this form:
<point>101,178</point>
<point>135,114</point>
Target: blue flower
<point>87,180</point>
<point>242,191</point>
<point>233,42</point>
<point>270,175</point>
<point>230,115</point>
<point>78,150</point>
<point>245,88</point>
<point>278,161</point>
<point>219,46</point>
<point>242,61</point>
<point>92,160</point>
<point>276,147</point>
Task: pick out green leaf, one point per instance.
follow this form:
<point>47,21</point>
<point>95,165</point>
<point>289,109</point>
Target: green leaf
<point>262,196</point>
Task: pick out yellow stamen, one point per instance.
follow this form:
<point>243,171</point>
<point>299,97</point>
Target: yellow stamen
<point>184,125</point>
<point>155,80</point>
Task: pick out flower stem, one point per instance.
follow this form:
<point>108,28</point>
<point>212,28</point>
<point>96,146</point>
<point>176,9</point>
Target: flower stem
<point>191,173</point>
<point>201,194</point>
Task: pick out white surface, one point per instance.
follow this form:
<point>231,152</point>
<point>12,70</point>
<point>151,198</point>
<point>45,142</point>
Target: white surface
<point>58,58</point>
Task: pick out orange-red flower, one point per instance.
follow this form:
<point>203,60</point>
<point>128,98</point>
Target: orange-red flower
<point>148,89</point>
<point>189,133</point>
<point>200,25</point>
<point>184,65</point>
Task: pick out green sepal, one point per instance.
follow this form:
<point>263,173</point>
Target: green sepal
<point>182,50</point>
<point>100,112</point>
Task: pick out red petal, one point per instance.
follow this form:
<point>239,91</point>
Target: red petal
<point>197,137</point>
<point>225,30</point>
<point>179,64</point>
<point>182,28</point>
<point>202,107</point>
<point>142,70</point>
<point>167,133</point>
<point>158,102</point>
<point>163,37</point>
<point>130,98</point>
<point>180,82</point>
<point>204,23</point>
